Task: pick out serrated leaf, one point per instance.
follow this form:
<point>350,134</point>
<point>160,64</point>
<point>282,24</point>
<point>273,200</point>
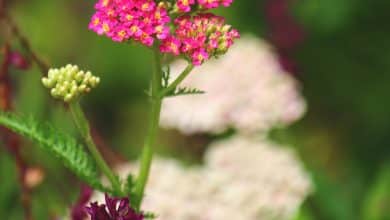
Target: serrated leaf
<point>150,216</point>
<point>130,182</point>
<point>61,145</point>
<point>186,91</point>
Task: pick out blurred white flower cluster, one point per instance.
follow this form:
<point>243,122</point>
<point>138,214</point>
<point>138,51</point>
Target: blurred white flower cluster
<point>263,180</point>
<point>246,89</point>
<point>242,179</point>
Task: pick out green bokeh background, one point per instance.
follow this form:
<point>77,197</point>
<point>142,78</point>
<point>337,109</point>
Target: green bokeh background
<point>344,66</point>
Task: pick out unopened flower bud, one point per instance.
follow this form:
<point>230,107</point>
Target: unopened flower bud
<point>73,89</point>
<point>45,82</point>
<point>79,76</point>
<point>164,4</point>
<point>226,28</point>
<point>68,97</point>
<point>54,92</point>
<point>82,88</point>
<point>69,83</point>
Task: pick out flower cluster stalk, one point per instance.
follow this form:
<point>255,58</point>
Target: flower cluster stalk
<point>24,42</point>
<point>157,95</point>
<point>148,149</point>
<point>83,126</point>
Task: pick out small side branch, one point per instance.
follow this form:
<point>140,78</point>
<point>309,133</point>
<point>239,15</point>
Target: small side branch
<point>172,87</point>
<point>42,65</point>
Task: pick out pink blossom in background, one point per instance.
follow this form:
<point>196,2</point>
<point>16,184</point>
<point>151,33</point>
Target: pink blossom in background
<point>18,61</point>
<point>284,32</point>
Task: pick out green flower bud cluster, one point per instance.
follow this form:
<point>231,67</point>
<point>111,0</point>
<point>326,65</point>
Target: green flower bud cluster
<point>69,83</point>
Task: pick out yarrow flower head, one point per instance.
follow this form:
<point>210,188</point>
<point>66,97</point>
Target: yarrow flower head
<point>114,209</point>
<point>69,83</point>
<point>139,20</point>
<point>200,37</point>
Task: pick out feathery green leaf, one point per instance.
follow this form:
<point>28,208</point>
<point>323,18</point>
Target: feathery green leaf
<point>63,146</point>
<point>185,91</point>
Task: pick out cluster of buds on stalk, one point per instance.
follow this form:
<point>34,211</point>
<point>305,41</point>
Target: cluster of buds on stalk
<point>69,83</point>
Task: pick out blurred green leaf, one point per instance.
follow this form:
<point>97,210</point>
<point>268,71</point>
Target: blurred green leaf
<point>331,201</point>
<point>9,188</point>
<point>326,16</point>
<point>304,214</point>
<point>377,203</point>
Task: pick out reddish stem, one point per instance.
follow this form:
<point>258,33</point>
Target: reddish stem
<point>42,65</point>
<point>11,140</point>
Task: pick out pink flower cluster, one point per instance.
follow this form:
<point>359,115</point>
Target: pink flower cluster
<point>185,5</point>
<point>140,20</point>
<point>200,37</point>
<point>197,37</point>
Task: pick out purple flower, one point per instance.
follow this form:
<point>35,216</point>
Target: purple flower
<point>114,209</point>
<point>78,210</point>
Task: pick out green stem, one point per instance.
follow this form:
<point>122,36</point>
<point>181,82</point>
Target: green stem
<point>148,149</point>
<point>178,80</point>
<point>83,126</point>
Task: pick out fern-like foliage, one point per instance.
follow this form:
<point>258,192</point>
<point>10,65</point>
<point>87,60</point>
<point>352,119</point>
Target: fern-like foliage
<point>185,91</point>
<point>63,146</point>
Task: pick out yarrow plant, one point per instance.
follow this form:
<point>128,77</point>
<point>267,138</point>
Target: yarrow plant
<point>181,28</point>
<point>245,171</point>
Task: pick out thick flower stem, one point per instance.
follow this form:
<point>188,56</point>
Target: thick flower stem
<point>148,149</point>
<point>83,126</point>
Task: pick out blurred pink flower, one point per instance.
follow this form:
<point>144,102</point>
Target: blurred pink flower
<point>19,61</point>
<point>284,32</point>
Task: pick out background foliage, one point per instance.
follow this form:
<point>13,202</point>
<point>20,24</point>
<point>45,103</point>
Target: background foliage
<point>343,64</point>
